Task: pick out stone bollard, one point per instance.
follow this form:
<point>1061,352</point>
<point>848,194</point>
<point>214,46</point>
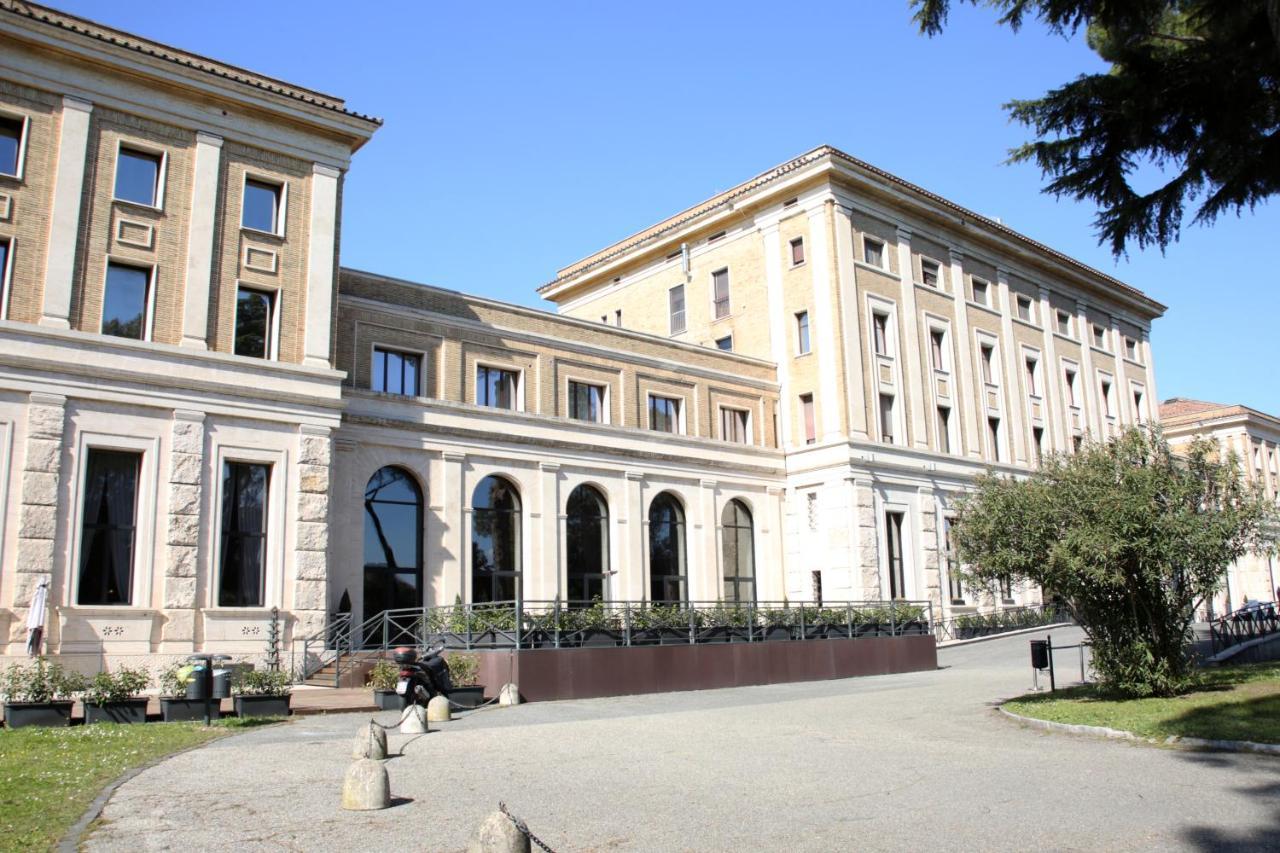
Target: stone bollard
<point>415,721</point>
<point>366,787</point>
<point>509,694</point>
<point>498,835</point>
<point>370,742</point>
<point>438,709</point>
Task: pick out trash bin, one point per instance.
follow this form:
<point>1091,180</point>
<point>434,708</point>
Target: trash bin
<point>1040,654</point>
<point>221,682</point>
<point>197,683</point>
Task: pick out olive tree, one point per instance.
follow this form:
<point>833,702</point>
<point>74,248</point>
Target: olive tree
<point>1130,535</point>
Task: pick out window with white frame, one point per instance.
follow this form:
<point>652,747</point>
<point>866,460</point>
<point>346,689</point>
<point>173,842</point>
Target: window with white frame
<point>810,424</point>
<point>664,413</point>
<point>255,322</point>
<point>735,425</point>
<point>675,309</point>
<point>1033,376</point>
<point>993,438</point>
<point>125,299</point>
<point>880,332</point>
<point>13,131</point>
<point>1069,385</point>
<point>981,291</point>
<point>951,562</point>
<point>797,251</point>
<point>725,344</point>
<point>242,569</point>
<point>138,176</point>
<point>1138,414</point>
<point>944,429</point>
<point>886,418</point>
<point>108,529</point>
<point>1130,349</point>
<point>6,263</point>
<point>262,206</point>
<point>396,372</point>
<point>1064,322</point>
<point>930,273</point>
<point>586,402</point>
<point>1099,336</point>
<point>720,291</point>
<point>1024,308</point>
<point>497,388</point>
<point>894,556</point>
<point>873,252</point>
<point>1104,388</point>
<point>802,332</point>
<point>938,349</point>
<point>986,359</point>
<point>1037,444</point>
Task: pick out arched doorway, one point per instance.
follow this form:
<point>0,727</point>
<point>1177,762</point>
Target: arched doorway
<point>738,553</point>
<point>668,580</point>
<point>587,544</point>
<point>392,542</point>
<point>495,541</point>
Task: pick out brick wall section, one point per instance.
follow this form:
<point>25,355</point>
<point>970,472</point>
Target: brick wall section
<point>41,483</point>
<point>311,542</point>
<point>182,538</point>
<point>29,199</point>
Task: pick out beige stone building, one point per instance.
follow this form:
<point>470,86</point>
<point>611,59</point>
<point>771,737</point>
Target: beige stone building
<point>1254,438</point>
<point>210,434</point>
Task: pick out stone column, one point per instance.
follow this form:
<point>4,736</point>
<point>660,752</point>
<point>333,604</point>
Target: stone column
<point>41,482</point>
<point>868,546</point>
<point>779,339</point>
<point>1093,418</point>
<point>548,559</point>
<point>970,400</point>
<point>911,395</point>
<point>629,584</point>
<point>1124,392</point>
<point>64,218</point>
<point>851,339</point>
<point>1144,347</point>
<point>1056,418</point>
<point>182,537</point>
<point>824,322</point>
<point>311,537</point>
<point>453,566</point>
<point>703,568</point>
<point>204,215</point>
<point>771,565</point>
<point>321,257</point>
<point>1015,402</point>
<point>930,572</point>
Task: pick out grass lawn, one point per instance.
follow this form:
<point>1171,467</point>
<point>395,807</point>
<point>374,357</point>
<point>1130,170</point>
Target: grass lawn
<point>1232,703</point>
<point>48,777</point>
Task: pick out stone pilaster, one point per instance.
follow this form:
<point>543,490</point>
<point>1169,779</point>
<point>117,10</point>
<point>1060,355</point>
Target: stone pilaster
<point>38,514</point>
<point>182,537</point>
<point>868,548</point>
<point>930,573</point>
<point>311,534</point>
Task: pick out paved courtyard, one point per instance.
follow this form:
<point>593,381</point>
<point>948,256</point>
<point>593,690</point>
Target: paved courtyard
<point>904,762</point>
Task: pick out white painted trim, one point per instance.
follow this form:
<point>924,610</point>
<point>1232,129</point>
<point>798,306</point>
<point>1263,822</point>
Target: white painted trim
<point>489,363</point>
<point>680,412</point>
<point>825,326</point>
<point>605,398</point>
<point>273,345</point>
<point>749,426</point>
<point>6,275</point>
<point>64,216</point>
<point>205,188</point>
<point>149,310</point>
<point>321,262</point>
<point>375,345</point>
<point>282,201</point>
<point>21,161</point>
<point>162,172</point>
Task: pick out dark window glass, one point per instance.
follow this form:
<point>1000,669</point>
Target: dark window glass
<point>929,273</point>
<point>936,342</point>
<point>886,418</point>
<point>395,372</point>
<point>737,544</point>
<point>797,251</point>
<point>810,426</point>
<point>392,542</point>
<point>675,307</point>
<point>880,328</point>
<point>666,549</point>
<point>495,388</point>
<point>107,531</point>
<point>720,286</point>
<point>1070,377</point>
<point>137,176</point>
<point>1105,388</point>
<point>4,269</point>
<point>244,534</point>
<point>587,543</point>
<point>993,435</point>
<point>586,402</point>
<point>733,426</point>
<point>261,206</point>
<point>254,310</point>
<point>1037,443</point>
<point>495,541</point>
<point>952,564</point>
<point>1031,377</point>
<point>897,571</point>
<point>873,252</point>
<point>664,414</point>
<point>10,144</point>
<point>944,429</point>
<point>987,354</point>
<point>802,332</point>
<point>725,344</point>
<point>1006,591</point>
<point>124,303</point>
<point>980,291</point>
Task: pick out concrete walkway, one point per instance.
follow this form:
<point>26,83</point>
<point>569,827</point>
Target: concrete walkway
<point>902,762</point>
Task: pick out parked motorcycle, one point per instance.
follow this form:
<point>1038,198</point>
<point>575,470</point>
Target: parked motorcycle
<point>422,679</point>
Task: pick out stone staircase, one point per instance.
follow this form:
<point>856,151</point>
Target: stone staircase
<point>349,670</point>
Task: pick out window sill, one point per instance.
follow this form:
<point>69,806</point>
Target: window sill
<point>803,354</point>
<point>137,205</point>
<point>937,291</point>
<point>982,307</point>
<point>5,177</point>
<point>871,267</point>
<point>1030,324</point>
<point>797,266</point>
<point>254,232</point>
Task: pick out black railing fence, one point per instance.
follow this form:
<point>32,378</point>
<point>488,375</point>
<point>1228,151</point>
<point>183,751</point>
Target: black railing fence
<point>1248,623</point>
<point>968,626</point>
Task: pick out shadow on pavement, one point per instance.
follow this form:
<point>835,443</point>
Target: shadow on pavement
<point>1266,795</point>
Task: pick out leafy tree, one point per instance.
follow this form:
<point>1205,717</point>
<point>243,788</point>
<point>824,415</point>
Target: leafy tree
<point>1193,88</point>
<point>1132,536</point>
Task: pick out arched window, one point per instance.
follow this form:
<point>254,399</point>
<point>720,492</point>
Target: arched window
<point>737,545</point>
<point>495,541</point>
<point>667,577</point>
<point>587,535</point>
<point>392,542</point>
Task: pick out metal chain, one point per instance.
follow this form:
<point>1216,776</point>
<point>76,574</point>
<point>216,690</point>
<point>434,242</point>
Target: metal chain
<point>523,827</point>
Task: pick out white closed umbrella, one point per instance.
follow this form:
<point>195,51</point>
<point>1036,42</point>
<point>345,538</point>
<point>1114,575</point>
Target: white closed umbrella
<point>35,618</point>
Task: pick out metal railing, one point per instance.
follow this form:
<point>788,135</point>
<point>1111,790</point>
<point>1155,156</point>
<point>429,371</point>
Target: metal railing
<point>968,626</point>
<point>597,624</point>
<point>1240,626</point>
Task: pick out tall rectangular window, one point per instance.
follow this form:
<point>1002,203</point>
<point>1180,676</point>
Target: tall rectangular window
<point>396,372</point>
<point>886,418</point>
<point>873,252</point>
<point>880,332</point>
<point>124,301</point>
<point>937,347</point>
<point>986,356</point>
<point>1131,349</point>
<point>797,251</point>
<point>733,426</point>
<point>6,250</point>
<point>255,313</point>
<point>802,332</point>
<point>664,414</point>
<point>720,288</point>
<point>496,388</point>
<point>107,530</point>
<point>1137,405</point>
<point>675,308</point>
<point>138,176</point>
<point>1105,387</point>
<point>1006,591</point>
<point>242,570</point>
<point>1069,377</point>
<point>11,130</point>
<point>1064,323</point>
<point>897,569</point>
<point>981,291</point>
<point>1024,307</point>
<point>586,402</point>
<point>929,273</point>
<point>810,425</point>
<point>951,563</point>
<point>944,429</point>
<point>1099,336</point>
<point>1037,443</point>
<point>993,437</point>
<point>1032,386</point>
<point>260,208</point>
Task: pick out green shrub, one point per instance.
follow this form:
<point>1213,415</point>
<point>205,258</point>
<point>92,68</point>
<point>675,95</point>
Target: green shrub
<point>261,682</point>
<point>118,686</point>
<point>384,675</point>
<point>40,681</point>
<point>464,670</point>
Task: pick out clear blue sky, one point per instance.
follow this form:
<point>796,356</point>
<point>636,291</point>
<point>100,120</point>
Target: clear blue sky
<point>527,135</point>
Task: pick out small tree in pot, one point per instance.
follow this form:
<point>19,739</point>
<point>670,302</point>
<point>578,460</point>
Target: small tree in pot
<point>117,697</point>
<point>175,703</point>
<point>39,694</point>
<point>464,672</point>
<point>262,693</point>
<point>383,678</point>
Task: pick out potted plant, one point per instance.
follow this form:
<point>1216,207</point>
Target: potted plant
<point>909,620</point>
<point>464,672</point>
<point>176,705</point>
<point>775,623</point>
<point>667,624</point>
<point>116,697</point>
<point>262,693</point>
<point>493,626</point>
<point>595,625</point>
<point>383,678</point>
<point>39,694</point>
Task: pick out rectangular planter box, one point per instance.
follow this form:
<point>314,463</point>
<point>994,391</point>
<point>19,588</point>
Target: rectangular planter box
<point>467,697</point>
<point>262,706</point>
<point>127,711</point>
<point>20,714</point>
<point>388,700</point>
<point>188,710</point>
